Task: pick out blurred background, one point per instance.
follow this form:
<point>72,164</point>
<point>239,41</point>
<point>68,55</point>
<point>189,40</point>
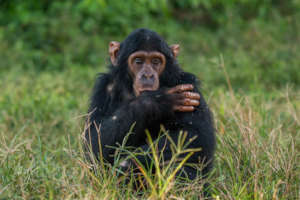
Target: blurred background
<point>259,40</point>
<point>245,52</point>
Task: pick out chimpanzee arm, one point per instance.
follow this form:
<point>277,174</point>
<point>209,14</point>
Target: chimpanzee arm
<point>114,120</point>
<point>199,124</point>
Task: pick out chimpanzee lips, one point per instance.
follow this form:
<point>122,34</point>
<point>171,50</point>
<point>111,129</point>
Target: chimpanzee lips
<point>147,87</point>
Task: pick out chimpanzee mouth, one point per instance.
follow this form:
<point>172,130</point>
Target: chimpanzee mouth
<point>147,89</point>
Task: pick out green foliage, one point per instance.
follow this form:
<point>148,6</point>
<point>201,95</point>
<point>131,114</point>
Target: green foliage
<point>259,47</point>
<point>244,9</point>
<point>121,16</point>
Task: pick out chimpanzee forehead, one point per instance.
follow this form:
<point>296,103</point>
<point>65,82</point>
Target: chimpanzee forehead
<point>146,40</point>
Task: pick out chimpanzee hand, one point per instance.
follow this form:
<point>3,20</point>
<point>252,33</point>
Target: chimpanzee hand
<point>184,99</point>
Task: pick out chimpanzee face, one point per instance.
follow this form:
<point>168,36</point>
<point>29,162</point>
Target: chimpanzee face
<point>145,68</point>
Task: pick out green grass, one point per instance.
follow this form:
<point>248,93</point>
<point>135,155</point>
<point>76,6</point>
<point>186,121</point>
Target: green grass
<point>42,116</point>
<point>42,120</point>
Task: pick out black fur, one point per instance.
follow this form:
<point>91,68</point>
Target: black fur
<point>115,108</point>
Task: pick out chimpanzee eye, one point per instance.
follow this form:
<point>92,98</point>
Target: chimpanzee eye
<point>138,61</point>
<point>156,61</point>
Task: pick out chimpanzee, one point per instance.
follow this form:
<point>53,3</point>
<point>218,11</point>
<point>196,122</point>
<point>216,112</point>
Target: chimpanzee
<point>146,87</point>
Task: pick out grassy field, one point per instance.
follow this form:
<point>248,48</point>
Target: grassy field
<point>249,80</point>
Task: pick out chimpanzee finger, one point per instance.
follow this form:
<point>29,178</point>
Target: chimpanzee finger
<point>184,108</point>
<point>189,102</point>
<point>181,88</point>
<point>191,95</point>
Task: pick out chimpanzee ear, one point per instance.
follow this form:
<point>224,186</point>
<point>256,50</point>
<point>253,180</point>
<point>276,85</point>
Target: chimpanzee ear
<point>113,50</point>
<point>175,49</point>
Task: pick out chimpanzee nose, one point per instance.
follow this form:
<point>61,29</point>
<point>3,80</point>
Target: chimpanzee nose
<point>147,79</point>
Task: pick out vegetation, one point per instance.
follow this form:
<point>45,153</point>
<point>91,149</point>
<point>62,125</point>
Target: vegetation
<point>245,52</point>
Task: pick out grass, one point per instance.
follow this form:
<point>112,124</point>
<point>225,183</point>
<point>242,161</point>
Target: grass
<point>252,88</point>
<point>41,123</point>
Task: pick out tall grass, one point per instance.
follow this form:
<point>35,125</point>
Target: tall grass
<point>258,150</point>
<point>257,154</point>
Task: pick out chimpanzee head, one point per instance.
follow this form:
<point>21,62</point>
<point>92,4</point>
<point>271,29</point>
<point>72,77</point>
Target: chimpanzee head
<point>146,57</point>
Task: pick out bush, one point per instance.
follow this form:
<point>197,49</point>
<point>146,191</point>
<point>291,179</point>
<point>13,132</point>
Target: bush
<point>55,35</point>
